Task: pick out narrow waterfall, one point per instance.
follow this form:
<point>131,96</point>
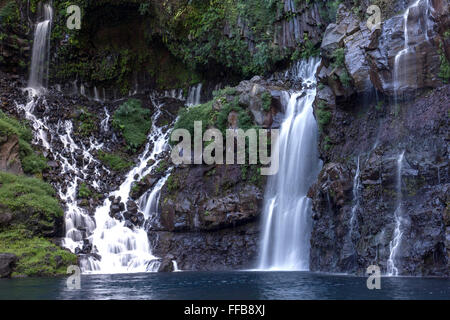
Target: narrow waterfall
<point>287,209</point>
<point>413,35</point>
<point>41,50</point>
<point>392,270</point>
<point>356,197</point>
<point>194,96</point>
<point>125,250</point>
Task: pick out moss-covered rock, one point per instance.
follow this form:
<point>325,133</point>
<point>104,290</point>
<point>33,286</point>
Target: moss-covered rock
<point>32,203</point>
<point>37,256</point>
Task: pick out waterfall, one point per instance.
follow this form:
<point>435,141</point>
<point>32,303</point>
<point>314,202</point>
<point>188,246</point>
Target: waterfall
<point>194,96</point>
<point>407,55</point>
<point>41,51</point>
<point>356,197</point>
<point>125,250</point>
<point>104,124</point>
<point>392,270</point>
<point>287,209</point>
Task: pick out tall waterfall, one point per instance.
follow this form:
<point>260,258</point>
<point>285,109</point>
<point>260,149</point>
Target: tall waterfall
<point>41,50</point>
<point>419,15</point>
<point>392,270</point>
<point>287,209</point>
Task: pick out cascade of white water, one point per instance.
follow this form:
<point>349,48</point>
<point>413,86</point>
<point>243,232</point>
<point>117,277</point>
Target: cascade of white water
<point>412,37</point>
<point>123,250</point>
<point>105,122</point>
<point>392,270</point>
<point>41,50</point>
<point>287,210</point>
<point>194,96</point>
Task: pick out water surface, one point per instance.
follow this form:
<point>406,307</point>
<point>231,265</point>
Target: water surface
<point>225,286</point>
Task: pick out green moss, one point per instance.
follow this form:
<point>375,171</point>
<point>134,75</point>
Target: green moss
<point>444,71</point>
<point>345,79</point>
<point>10,126</point>
<point>379,106</point>
<point>85,122</point>
<point>162,167</point>
<point>172,184</point>
<point>31,201</point>
<point>227,91</point>
<point>327,143</point>
<point>32,163</point>
<point>114,161</point>
<point>266,100</point>
<point>84,192</point>
<point>134,122</point>
<point>37,256</point>
<point>9,14</point>
<point>339,58</point>
<point>323,115</point>
<point>187,117</point>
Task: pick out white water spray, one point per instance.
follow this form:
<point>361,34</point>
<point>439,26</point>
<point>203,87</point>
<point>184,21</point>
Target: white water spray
<point>122,249</point>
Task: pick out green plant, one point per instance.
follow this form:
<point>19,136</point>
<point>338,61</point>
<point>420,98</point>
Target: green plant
<point>134,122</point>
<point>29,199</point>
<point>85,122</point>
<point>32,163</point>
<point>266,98</point>
<point>37,255</point>
<point>379,105</point>
<point>339,58</point>
<point>84,192</point>
<point>327,143</point>
<point>162,167</point>
<point>323,115</point>
<point>113,161</point>
<point>172,184</point>
<point>444,71</point>
<point>345,79</point>
<point>187,117</point>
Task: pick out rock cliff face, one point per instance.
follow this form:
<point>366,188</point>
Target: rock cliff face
<point>364,130</point>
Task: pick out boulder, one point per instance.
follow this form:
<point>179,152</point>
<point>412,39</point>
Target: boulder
<point>9,154</point>
<point>7,263</point>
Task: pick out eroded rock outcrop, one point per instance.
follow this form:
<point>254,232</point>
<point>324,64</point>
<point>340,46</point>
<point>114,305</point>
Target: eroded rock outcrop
<point>354,230</point>
<point>9,154</point>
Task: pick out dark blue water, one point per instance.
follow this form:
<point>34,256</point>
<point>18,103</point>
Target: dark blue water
<point>225,286</point>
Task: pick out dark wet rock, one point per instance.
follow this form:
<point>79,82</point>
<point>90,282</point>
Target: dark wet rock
<point>207,201</point>
<point>7,263</point>
<point>166,265</point>
<point>225,249</point>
